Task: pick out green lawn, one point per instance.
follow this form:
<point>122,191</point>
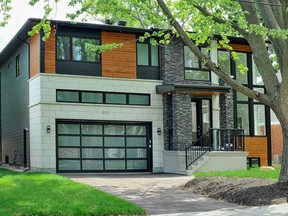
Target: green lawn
<point>250,173</point>
<point>48,194</point>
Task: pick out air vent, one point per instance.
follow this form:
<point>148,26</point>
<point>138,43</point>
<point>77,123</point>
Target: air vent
<point>108,22</point>
<point>122,23</point>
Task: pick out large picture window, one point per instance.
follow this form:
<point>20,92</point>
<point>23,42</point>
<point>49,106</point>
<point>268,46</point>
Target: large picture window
<point>250,114</point>
<point>77,49</point>
<point>194,69</point>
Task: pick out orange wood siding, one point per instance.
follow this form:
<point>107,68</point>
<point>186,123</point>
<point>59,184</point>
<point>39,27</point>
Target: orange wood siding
<point>241,47</point>
<point>50,53</point>
<point>257,147</point>
<point>119,62</point>
<point>34,55</point>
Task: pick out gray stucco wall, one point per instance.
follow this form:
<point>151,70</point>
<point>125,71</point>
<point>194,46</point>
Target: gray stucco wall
<point>14,106</point>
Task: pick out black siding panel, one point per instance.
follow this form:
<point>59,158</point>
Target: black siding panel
<point>146,72</point>
<point>78,68</point>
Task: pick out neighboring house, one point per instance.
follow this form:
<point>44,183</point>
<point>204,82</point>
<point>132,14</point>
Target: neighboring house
<point>65,109</point>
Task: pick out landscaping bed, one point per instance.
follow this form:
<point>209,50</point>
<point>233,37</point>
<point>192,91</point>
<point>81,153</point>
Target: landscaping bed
<point>48,194</point>
<point>241,190</point>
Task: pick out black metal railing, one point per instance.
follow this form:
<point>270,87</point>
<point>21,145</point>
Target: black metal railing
<point>197,149</point>
<point>227,139</point>
<point>215,140</point>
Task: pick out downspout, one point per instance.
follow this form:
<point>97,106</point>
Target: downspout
<point>26,167</point>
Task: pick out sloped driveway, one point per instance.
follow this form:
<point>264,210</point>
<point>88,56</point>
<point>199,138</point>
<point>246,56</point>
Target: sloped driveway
<point>157,193</point>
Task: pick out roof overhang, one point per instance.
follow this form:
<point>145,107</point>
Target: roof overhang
<point>201,90</point>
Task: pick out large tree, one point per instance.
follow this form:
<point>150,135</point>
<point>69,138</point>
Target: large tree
<point>260,22</point>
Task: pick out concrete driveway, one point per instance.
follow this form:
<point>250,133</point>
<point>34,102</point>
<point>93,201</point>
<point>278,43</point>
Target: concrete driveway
<point>157,193</point>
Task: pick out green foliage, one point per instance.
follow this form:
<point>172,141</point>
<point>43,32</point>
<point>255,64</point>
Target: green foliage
<point>249,173</point>
<point>48,194</point>
<point>5,7</point>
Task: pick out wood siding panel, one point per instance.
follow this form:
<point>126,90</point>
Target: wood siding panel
<point>120,62</point>
<point>34,55</point>
<point>257,147</point>
<point>241,47</point>
<point>50,53</point>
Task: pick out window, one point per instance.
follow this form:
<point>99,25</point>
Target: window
<point>77,49</point>
<point>17,65</point>
<point>72,96</point>
<point>147,55</point>
<point>250,114</point>
<point>194,69</point>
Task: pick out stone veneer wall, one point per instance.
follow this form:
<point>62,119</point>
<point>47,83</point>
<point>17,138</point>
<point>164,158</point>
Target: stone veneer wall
<point>167,120</point>
<point>182,124</point>
<point>227,110</point>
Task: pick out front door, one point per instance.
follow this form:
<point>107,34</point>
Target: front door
<point>201,117</point>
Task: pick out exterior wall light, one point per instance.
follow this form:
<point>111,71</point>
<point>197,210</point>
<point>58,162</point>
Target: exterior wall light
<point>159,132</point>
<point>48,129</point>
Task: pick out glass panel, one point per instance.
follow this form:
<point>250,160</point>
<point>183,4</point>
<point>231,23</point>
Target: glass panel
<point>137,153</point>
<point>92,153</point>
<point>197,75</point>
<point>136,130</point>
<point>206,115</point>
<point>190,59</point>
<point>90,97</point>
<point>92,165</point>
<point>139,99</point>
<point>63,48</point>
<point>114,141</point>
<point>154,56</point>
<point>114,129</point>
<point>116,98</point>
<point>241,97</point>
<point>243,118</point>
<point>69,165</point>
<point>91,129</point>
<point>68,129</point>
<point>68,141</point>
<point>259,120</point>
<point>142,54</point>
<point>257,79</point>
<point>194,121</point>
<point>83,50</point>
<point>224,61</point>
<point>68,152</point>
<point>241,76</point>
<point>136,141</point>
<point>68,96</point>
<point>206,52</point>
<point>114,153</point>
<point>115,164</point>
<point>136,164</point>
<point>92,141</point>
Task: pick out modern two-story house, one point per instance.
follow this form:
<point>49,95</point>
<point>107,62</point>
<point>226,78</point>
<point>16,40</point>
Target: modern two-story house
<point>134,108</point>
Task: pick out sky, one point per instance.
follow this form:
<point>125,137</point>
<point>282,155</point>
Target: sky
<point>21,11</point>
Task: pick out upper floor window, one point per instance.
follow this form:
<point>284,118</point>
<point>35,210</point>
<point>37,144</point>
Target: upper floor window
<point>17,65</point>
<point>194,68</point>
<point>147,55</point>
<point>77,49</point>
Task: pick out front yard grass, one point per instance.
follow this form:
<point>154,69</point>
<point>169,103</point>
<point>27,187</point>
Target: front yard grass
<point>249,173</point>
<point>48,194</point>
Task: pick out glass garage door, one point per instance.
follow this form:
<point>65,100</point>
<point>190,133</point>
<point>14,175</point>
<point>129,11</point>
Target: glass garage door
<point>97,147</point>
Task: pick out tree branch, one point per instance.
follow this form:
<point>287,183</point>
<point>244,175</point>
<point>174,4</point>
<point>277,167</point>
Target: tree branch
<point>263,98</point>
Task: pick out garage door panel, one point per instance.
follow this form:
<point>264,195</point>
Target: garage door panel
<point>92,164</point>
<point>68,141</point>
<point>88,147</point>
<point>92,141</point>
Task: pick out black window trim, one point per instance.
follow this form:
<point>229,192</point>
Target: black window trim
<point>18,65</point>
<point>127,102</point>
<point>147,42</point>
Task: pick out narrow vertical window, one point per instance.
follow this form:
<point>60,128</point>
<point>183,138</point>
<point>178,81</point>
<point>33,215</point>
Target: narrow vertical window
<point>17,65</point>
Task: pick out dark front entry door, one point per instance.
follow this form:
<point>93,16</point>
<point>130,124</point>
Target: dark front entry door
<point>201,117</point>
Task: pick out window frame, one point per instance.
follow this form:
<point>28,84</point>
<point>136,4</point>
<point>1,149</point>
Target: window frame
<point>18,65</point>
<point>104,101</point>
<point>146,42</point>
<point>200,69</point>
<point>71,37</point>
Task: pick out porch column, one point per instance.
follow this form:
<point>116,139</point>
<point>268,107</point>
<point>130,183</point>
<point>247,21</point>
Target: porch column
<point>181,120</point>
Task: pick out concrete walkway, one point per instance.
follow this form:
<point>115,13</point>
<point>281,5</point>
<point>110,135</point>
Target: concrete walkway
<point>159,194</point>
